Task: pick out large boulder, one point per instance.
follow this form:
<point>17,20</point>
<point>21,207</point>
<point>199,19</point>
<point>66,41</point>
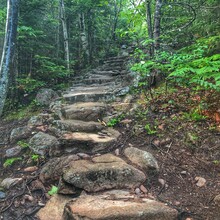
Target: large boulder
<point>143,159</point>
<point>46,96</point>
<point>42,144</point>
<point>103,172</point>
<point>117,206</point>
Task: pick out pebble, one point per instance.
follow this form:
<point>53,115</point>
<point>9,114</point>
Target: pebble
<point>143,189</point>
<point>2,195</point>
<point>8,182</point>
<point>30,169</point>
<point>28,198</point>
<point>162,181</point>
<point>137,191</point>
<point>83,155</point>
<point>200,181</point>
<point>117,152</point>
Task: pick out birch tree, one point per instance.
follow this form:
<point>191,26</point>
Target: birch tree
<point>65,33</point>
<point>8,52</point>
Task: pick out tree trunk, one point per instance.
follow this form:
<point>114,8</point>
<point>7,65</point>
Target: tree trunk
<point>65,34</point>
<point>157,18</point>
<point>8,52</point>
<point>83,36</point>
<point>149,26</point>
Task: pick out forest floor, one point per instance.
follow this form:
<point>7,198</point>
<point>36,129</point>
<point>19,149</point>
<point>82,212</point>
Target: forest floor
<point>186,143</point>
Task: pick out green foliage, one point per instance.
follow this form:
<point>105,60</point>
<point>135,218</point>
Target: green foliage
<point>53,190</point>
<point>23,144</point>
<point>194,115</point>
<point>149,130</point>
<point>35,157</point>
<point>196,65</point>
<point>29,85</point>
<point>9,162</point>
<point>114,121</point>
<point>49,70</point>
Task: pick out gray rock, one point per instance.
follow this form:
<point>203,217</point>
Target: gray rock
<point>122,91</point>
<point>9,182</point>
<point>46,96</point>
<point>103,172</point>
<point>42,143</point>
<point>20,133</point>
<point>53,169</point>
<point>56,108</point>
<point>141,158</point>
<point>89,111</point>
<point>117,206</point>
<point>12,152</point>
<point>2,195</point>
<point>77,125</point>
<point>66,188</point>
<point>38,120</point>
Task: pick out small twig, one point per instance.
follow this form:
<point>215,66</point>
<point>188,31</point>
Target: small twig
<point>169,147</point>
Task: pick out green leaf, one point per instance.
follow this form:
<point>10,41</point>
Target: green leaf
<point>53,190</point>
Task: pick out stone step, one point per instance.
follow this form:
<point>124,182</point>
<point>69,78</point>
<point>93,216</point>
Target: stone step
<point>79,126</point>
<point>89,142</point>
<point>112,68</point>
<point>106,73</point>
<point>98,80</point>
<point>117,58</point>
<point>109,205</point>
<point>117,206</point>
<point>89,111</point>
<point>88,96</point>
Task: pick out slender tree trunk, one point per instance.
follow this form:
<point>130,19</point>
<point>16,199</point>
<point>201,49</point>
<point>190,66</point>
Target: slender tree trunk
<point>65,34</point>
<point>83,35</point>
<point>157,18</point>
<point>8,52</point>
<point>150,26</point>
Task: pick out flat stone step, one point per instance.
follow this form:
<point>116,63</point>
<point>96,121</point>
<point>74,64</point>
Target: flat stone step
<point>79,126</point>
<point>89,142</point>
<point>102,172</point>
<point>98,80</point>
<point>88,96</point>
<point>112,68</point>
<point>106,73</point>
<point>117,58</point>
<point>90,111</point>
<point>117,206</point>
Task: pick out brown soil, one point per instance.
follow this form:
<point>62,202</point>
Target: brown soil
<point>185,146</point>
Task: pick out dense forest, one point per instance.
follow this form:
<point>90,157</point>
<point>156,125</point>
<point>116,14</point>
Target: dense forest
<point>110,109</point>
<point>45,43</point>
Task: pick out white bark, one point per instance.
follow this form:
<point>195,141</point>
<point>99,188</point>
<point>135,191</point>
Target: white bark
<point>8,50</point>
<point>65,34</point>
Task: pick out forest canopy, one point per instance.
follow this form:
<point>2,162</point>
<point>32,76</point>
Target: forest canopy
<point>55,40</point>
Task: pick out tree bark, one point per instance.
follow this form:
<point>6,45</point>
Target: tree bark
<point>157,18</point>
<point>84,37</point>
<point>149,26</point>
<point>65,34</point>
<point>8,52</point>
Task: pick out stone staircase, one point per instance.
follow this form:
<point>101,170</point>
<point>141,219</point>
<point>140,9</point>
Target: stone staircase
<point>110,187</point>
<point>95,182</point>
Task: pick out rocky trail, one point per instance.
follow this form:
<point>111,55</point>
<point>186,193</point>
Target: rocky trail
<point>98,176</point>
